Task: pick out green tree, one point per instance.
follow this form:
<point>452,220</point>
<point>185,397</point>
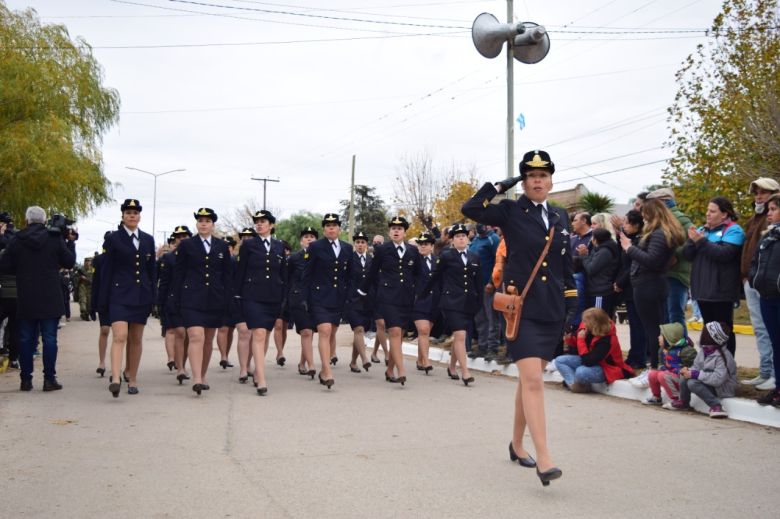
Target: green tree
<point>54,111</point>
<point>370,211</point>
<point>595,203</point>
<point>289,229</point>
<point>727,90</point>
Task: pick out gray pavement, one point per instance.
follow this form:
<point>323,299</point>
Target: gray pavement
<point>364,449</point>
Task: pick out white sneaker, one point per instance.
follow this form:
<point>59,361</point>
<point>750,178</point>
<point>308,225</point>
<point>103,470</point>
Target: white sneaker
<point>754,381</point>
<point>640,381</point>
<point>551,367</point>
<point>767,385</point>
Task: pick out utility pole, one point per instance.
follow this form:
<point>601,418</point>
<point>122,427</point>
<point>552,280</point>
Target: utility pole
<point>352,202</point>
<point>510,102</point>
<point>265,182</point>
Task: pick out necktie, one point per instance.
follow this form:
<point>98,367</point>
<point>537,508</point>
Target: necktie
<point>463,257</point>
<point>267,245</point>
<point>207,245</point>
<point>428,261</point>
<point>362,260</point>
<point>543,213</point>
<point>335,248</point>
<point>400,251</point>
<point>136,243</point>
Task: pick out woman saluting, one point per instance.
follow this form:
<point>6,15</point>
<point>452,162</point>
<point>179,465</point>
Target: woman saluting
<point>529,224</point>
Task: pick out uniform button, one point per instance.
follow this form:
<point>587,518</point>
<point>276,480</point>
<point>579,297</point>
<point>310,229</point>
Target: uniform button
<point>137,255</point>
<point>136,272</point>
<point>268,277</point>
<point>137,280</point>
<point>207,283</point>
<point>335,286</point>
<point>544,278</point>
<point>466,290</point>
<point>544,263</point>
<point>136,264</point>
<point>207,274</point>
<point>335,270</point>
<point>207,256</point>
<point>546,238</point>
<point>207,266</point>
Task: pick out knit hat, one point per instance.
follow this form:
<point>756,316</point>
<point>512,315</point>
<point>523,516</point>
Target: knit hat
<point>672,333</point>
<point>715,333</point>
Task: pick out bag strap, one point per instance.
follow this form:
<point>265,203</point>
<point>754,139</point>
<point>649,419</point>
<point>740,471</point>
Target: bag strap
<point>538,263</point>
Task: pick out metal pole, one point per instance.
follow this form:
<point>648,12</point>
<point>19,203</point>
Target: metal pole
<point>352,203</point>
<point>510,100</point>
<point>265,183</point>
<point>154,208</point>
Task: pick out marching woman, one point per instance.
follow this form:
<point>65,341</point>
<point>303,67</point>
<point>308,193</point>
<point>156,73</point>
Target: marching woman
<point>427,304</point>
<point>97,314</point>
<point>237,315</point>
<point>127,284</point>
<point>229,320</point>
<point>457,274</point>
<point>202,283</point>
<point>297,303</point>
<point>261,284</point>
<point>530,226</point>
<point>282,321</point>
<point>175,334</point>
<point>325,283</point>
<point>396,272</point>
<point>358,311</point>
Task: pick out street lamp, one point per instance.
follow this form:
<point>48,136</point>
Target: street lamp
<point>154,202</point>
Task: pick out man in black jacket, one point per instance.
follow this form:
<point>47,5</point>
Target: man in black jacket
<point>36,255</point>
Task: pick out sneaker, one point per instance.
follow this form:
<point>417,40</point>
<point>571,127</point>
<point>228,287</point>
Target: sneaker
<point>51,384</point>
<point>675,405</point>
<point>653,400</point>
<point>717,411</point>
<point>551,367</point>
<point>767,385</point>
<point>754,381</point>
<point>473,354</point>
<point>641,381</point>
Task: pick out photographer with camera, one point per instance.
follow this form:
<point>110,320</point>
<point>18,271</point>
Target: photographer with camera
<point>36,254</point>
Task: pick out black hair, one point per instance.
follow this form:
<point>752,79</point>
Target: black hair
<point>643,195</point>
<point>634,217</point>
<point>725,206</point>
<point>585,216</point>
<point>601,235</point>
<point>286,245</point>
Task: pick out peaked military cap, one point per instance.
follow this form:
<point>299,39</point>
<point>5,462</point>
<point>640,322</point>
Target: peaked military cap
<point>182,230</point>
<point>310,230</point>
<point>207,212</point>
<point>458,228</point>
<point>536,159</point>
<point>230,241</point>
<point>360,235</point>
<point>398,220</point>
<point>331,218</point>
<point>247,231</point>
<point>426,237</point>
<point>259,215</point>
<point>131,204</point>
<point>171,239</point>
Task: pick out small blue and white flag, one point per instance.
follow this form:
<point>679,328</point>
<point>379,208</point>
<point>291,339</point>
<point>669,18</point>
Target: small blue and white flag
<point>521,121</point>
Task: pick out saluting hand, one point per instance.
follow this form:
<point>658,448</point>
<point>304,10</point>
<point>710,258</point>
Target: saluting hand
<point>505,185</point>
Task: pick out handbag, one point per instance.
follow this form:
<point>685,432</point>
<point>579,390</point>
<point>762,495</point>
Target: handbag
<point>510,304</point>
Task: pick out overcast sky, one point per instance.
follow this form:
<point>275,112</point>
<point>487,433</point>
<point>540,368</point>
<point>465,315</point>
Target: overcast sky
<point>229,94</point>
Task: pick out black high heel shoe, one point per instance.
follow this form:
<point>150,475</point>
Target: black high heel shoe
<point>467,381</point>
<point>451,375</point>
<point>401,380</point>
<point>171,364</point>
<point>311,373</point>
<point>366,366</point>
<point>114,387</point>
<point>334,361</point>
<point>375,359</point>
<point>101,372</point>
<point>328,382</point>
<point>262,391</point>
<point>197,388</point>
<point>419,367</point>
<point>428,369</point>
<point>302,371</point>
<point>549,475</point>
<point>528,462</point>
<point>124,376</point>
<point>243,380</point>
<point>354,369</point>
<point>224,364</point>
<point>281,360</point>
<point>181,377</point>
<point>390,378</point>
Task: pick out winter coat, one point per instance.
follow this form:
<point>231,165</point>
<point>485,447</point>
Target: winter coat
<point>605,352</point>
<point>650,259</point>
<point>36,255</point>
<point>764,274</point>
<point>623,278</point>
<point>715,274</point>
<point>601,267</point>
<point>754,229</point>
<point>681,267</point>
<point>717,370</point>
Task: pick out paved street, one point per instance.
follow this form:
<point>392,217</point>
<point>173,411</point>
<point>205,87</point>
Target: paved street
<point>364,449</point>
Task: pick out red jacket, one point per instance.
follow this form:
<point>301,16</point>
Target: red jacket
<point>604,351</point>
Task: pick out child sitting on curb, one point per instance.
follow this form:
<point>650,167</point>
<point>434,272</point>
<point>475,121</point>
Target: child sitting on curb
<point>676,351</point>
<point>599,356</point>
<point>714,373</point>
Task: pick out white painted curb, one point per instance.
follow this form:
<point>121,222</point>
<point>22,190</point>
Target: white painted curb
<point>740,409</point>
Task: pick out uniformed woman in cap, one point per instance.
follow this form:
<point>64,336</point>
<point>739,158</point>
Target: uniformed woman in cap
<point>127,287</point>
<point>100,314</point>
<point>325,282</point>
<point>395,273</point>
<point>202,284</point>
<point>528,225</point>
<point>456,276</point>
<point>427,304</point>
<point>297,304</point>
<point>175,333</point>
<point>237,315</point>
<point>261,283</point>
<point>230,318</point>
<point>359,312</point>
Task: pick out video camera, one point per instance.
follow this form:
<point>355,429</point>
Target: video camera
<point>61,224</point>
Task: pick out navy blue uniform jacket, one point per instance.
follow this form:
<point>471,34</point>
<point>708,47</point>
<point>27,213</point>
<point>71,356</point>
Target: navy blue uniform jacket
<point>295,265</point>
<point>359,273</point>
<point>460,285</point>
<point>326,279</point>
<point>165,281</point>
<point>394,280</point>
<point>202,281</point>
<point>129,275</point>
<point>526,236</point>
<point>261,275</point>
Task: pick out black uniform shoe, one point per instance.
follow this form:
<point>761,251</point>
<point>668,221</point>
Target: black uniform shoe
<point>51,384</point>
<point>473,354</point>
<point>26,385</point>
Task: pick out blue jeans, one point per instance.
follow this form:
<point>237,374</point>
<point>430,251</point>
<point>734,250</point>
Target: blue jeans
<point>572,370</point>
<point>763,342</point>
<point>487,324</point>
<point>770,311</point>
<point>676,301</point>
<point>28,338</point>
<point>582,300</point>
<point>637,353</point>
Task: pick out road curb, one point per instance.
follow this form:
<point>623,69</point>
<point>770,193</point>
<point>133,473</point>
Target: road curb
<point>742,329</point>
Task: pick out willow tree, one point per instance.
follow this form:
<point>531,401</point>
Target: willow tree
<point>54,111</point>
<point>724,123</point>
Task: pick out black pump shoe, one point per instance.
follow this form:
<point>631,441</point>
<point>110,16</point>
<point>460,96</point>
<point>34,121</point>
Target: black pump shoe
<point>390,378</point>
<point>311,373</point>
<point>549,475</point>
<point>281,360</point>
<point>467,381</point>
<point>197,388</point>
<point>171,364</point>
<point>453,376</point>
<point>181,377</point>
<point>354,369</point>
<point>101,372</point>
<point>262,391</point>
<point>528,462</point>
<point>366,366</point>
<point>302,371</point>
<point>114,387</point>
<point>124,376</point>
<point>420,367</point>
<point>329,383</point>
<point>334,361</point>
<point>243,379</point>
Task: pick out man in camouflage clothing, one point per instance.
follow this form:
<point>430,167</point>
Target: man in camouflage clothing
<point>85,288</point>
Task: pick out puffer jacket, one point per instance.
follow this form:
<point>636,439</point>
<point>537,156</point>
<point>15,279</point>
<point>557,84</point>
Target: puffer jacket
<point>715,273</point>
<point>601,267</point>
<point>764,274</point>
<point>650,259</point>
<point>717,369</point>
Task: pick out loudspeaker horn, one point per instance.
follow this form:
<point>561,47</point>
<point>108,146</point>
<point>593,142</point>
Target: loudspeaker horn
<point>532,44</point>
<point>489,35</point>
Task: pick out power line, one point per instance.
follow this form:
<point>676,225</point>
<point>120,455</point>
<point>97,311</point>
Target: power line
<point>635,166</point>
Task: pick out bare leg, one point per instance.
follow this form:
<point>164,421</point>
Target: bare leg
<point>134,350</point>
<point>119,335</point>
<point>259,340</point>
<point>359,346</point>
<point>197,337</point>
<point>380,339</point>
<point>244,338</point>
<point>208,347</point>
<point>222,342</point>
<point>518,429</point>
<point>180,335</point>
<point>396,352</point>
<point>531,387</point>
<point>231,332</point>
<point>459,352</point>
<point>280,337</point>
<point>307,354</point>
<point>103,345</point>
<point>333,330</point>
<point>323,345</point>
<point>170,345</point>
<point>423,341</point>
